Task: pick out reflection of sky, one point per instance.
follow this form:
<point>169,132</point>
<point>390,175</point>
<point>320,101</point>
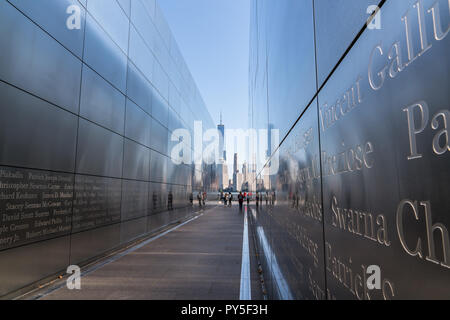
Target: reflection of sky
<point>213,37</point>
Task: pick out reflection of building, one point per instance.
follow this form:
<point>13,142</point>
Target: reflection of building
<point>222,152</point>
<point>239,182</point>
<point>225,178</point>
<point>266,179</point>
<point>251,181</point>
<point>269,140</point>
<point>222,170</point>
<point>248,177</point>
<point>222,167</point>
<point>235,171</point>
<point>263,180</point>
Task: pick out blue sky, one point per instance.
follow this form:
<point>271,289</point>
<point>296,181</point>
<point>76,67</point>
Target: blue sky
<point>213,36</point>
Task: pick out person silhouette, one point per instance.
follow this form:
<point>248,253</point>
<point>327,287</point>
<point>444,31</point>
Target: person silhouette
<point>170,201</point>
<point>241,200</point>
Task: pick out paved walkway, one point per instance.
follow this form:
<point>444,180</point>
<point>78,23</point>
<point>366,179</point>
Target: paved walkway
<point>200,260</point>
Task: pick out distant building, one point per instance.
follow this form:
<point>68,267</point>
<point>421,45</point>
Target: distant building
<point>235,172</point>
<point>266,179</point>
<point>249,177</point>
<point>222,167</point>
<point>222,152</point>
<point>263,181</point>
<point>251,181</point>
<point>239,181</point>
<point>222,170</point>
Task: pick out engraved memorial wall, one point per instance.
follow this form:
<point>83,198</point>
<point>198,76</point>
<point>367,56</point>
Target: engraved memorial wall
<point>381,116</point>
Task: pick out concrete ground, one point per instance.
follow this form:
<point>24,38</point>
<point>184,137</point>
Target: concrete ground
<point>200,260</point>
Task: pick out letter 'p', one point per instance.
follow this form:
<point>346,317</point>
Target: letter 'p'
<point>416,126</point>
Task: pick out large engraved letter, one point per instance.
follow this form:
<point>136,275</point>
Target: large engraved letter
<point>437,148</point>
<point>431,228</point>
<point>438,33</point>
<point>396,64</point>
<point>400,231</point>
<point>424,44</point>
<point>413,131</point>
<point>381,73</point>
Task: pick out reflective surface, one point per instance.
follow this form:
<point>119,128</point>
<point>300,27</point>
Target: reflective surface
<point>101,103</point>
<point>333,36</point>
<point>283,63</point>
<point>35,62</point>
<point>87,115</point>
<point>376,142</point>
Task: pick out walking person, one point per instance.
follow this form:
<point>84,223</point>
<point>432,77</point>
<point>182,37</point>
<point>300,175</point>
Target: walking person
<point>199,198</point>
<point>241,200</point>
<point>230,199</point>
<point>257,199</point>
<point>225,199</point>
<point>248,200</point>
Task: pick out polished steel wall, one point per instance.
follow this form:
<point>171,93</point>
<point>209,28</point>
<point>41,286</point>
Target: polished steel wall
<point>85,134</point>
<point>364,176</point>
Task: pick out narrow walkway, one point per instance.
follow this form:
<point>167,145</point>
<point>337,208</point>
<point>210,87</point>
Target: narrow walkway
<point>201,260</point>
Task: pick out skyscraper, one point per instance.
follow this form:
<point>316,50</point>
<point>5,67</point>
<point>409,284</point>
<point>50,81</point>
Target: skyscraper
<point>235,171</point>
<point>222,167</point>
<point>239,181</point>
<point>224,178</point>
<point>221,129</point>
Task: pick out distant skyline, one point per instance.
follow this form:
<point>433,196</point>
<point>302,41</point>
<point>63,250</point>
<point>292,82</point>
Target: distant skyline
<point>213,37</point>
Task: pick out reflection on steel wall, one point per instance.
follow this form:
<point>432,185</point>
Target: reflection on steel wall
<point>364,177</point>
<point>85,127</point>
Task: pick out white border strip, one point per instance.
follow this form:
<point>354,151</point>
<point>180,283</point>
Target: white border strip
<point>246,290</point>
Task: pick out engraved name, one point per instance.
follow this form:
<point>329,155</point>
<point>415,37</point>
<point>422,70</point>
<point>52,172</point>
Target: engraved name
<point>360,223</point>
